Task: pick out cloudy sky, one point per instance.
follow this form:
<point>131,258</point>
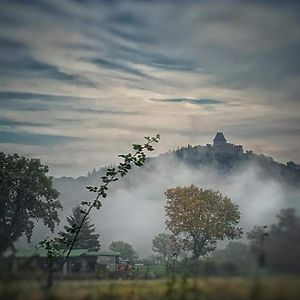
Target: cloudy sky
<point>80,81</point>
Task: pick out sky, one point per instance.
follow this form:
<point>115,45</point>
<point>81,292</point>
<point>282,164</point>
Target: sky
<point>80,81</point>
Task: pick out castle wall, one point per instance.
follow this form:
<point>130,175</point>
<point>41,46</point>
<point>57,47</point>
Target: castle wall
<point>228,148</point>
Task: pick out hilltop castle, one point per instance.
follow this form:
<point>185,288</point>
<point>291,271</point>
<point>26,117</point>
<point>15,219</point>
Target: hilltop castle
<point>220,145</point>
<point>219,151</point>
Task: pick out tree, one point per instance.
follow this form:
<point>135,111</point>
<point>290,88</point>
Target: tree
<point>26,195</point>
<point>198,218</point>
<point>279,246</point>
<point>236,256</point>
<point>162,245</point>
<point>86,239</point>
<point>126,250</point>
<point>112,174</point>
<point>234,252</point>
<point>258,236</point>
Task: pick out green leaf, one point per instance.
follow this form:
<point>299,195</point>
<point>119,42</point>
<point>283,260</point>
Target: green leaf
<point>137,147</point>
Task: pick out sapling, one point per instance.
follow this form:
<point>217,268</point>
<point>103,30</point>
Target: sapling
<point>137,158</point>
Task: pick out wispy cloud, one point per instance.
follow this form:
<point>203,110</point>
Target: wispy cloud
<point>105,71</point>
<point>111,65</point>
<point>102,111</point>
<point>16,95</point>
<point>192,101</point>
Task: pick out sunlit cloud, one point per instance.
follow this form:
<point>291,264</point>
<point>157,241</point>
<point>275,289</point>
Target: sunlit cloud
<point>90,79</point>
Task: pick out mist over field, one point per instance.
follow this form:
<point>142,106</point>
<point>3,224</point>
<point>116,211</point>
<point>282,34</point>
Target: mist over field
<point>134,209</point>
<point>80,82</point>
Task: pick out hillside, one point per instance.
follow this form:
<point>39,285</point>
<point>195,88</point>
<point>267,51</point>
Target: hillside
<point>134,209</point>
<point>223,158</point>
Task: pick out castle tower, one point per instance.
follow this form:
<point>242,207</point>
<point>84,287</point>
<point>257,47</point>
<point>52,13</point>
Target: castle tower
<point>219,139</point>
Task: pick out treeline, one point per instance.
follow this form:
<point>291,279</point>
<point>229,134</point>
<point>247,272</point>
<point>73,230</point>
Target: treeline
<point>198,156</point>
<point>273,249</point>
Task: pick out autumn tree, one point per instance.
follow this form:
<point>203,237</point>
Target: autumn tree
<point>161,244</point>
<point>26,195</point>
<point>126,250</point>
<point>198,218</point>
<point>87,238</point>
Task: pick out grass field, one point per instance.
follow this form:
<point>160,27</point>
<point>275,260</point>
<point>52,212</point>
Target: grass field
<point>206,288</point>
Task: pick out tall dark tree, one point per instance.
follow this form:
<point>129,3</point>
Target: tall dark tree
<point>87,238</point>
<point>236,257</point>
<point>258,236</point>
<point>280,244</point>
<point>26,195</point>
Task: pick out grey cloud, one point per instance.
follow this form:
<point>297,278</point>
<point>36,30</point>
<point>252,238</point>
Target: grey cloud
<point>267,128</point>
<point>270,69</point>
<point>111,65</point>
<point>17,62</point>
<point>7,19</point>
<point>192,101</point>
<point>133,35</point>
<point>155,59</point>
<point>124,24</point>
<point>29,66</point>
<point>7,44</point>
<point>127,18</point>
<point>102,111</point>
<point>10,95</point>
<point>215,40</point>
<point>30,101</point>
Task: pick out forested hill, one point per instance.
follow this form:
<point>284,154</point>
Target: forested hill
<point>134,208</point>
<point>199,157</point>
<point>230,161</point>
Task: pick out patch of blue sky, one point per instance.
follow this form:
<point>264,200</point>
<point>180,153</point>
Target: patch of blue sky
<point>33,138</point>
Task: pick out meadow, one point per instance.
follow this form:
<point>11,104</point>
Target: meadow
<point>271,288</point>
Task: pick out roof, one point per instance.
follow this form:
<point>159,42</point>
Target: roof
<point>105,253</point>
<point>77,252</point>
<point>220,137</point>
<point>26,253</point>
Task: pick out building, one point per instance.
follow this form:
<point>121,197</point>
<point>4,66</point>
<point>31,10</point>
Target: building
<point>221,145</point>
<point>81,261</point>
<point>219,139</point>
